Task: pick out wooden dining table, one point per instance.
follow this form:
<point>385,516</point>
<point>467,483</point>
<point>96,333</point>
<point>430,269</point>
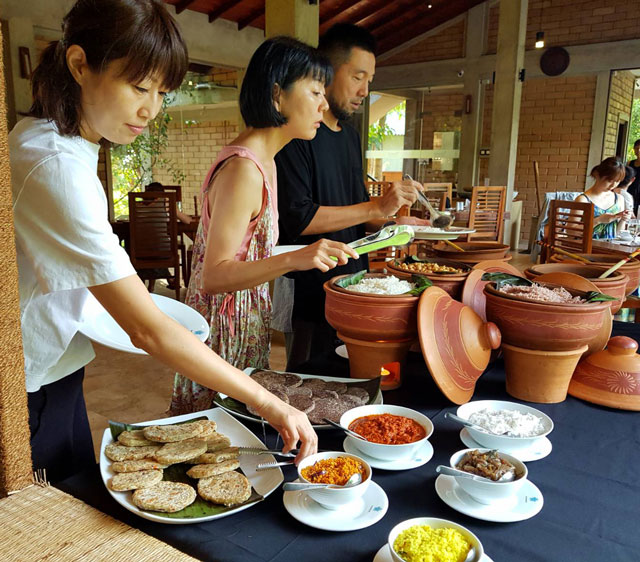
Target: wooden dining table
<point>120,228</point>
<point>626,247</point>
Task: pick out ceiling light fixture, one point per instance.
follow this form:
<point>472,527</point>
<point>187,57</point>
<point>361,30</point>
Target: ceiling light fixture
<point>540,40</point>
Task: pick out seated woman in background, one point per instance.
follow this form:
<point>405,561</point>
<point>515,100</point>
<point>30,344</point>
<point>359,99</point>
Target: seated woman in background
<point>623,187</point>
<point>282,98</point>
<point>608,206</point>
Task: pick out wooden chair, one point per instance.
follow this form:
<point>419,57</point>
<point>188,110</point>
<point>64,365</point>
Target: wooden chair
<point>377,188</point>
<point>486,213</point>
<point>570,227</point>
<point>153,233</point>
<point>177,189</point>
<point>446,187</point>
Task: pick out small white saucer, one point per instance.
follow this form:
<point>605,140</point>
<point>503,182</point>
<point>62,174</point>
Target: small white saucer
<point>540,448</point>
<point>361,513</point>
<point>383,555</point>
<point>341,351</point>
<point>524,505</point>
<point>421,457</point>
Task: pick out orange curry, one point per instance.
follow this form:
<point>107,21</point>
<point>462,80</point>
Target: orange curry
<point>388,429</point>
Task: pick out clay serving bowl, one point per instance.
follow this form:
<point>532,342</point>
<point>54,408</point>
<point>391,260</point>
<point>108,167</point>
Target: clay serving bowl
<point>371,317</point>
<point>452,283</point>
<point>631,269</point>
<point>545,326</point>
<point>614,285</point>
<point>474,252</point>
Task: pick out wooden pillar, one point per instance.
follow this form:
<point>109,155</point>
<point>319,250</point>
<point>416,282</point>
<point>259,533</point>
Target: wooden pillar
<point>15,452</point>
<point>297,18</point>
<point>476,31</point>
<point>505,119</point>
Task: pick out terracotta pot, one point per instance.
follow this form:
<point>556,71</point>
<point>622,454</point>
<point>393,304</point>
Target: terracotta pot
<point>473,290</point>
<point>539,376</point>
<point>614,285</point>
<point>371,317</point>
<point>610,377</point>
<point>631,269</point>
<point>452,283</point>
<point>474,251</point>
<point>366,358</point>
<point>545,326</point>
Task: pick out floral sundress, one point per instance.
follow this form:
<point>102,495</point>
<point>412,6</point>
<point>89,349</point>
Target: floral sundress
<point>240,321</point>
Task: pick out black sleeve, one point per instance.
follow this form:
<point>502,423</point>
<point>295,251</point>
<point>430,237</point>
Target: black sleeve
<point>296,207</point>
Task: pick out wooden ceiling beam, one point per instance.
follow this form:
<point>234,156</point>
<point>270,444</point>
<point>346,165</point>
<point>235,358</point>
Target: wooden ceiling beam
<point>391,10</point>
<point>221,9</point>
<point>358,10</point>
<point>339,8</point>
<point>183,5</point>
<point>419,12</point>
<point>251,17</point>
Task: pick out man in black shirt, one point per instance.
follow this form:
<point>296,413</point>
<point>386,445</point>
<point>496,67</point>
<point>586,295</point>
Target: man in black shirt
<point>321,191</point>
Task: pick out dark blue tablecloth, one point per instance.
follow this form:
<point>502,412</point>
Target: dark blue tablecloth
<point>589,482</point>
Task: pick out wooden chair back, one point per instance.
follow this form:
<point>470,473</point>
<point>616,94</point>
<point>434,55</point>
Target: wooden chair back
<point>486,213</point>
<point>377,188</point>
<point>447,187</point>
<point>570,226</point>
<point>153,233</point>
<point>177,189</point>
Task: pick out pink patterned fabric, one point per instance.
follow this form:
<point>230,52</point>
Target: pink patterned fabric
<point>239,321</point>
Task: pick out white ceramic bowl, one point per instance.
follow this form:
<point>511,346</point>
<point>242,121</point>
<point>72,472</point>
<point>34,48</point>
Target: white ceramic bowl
<point>486,491</point>
<point>334,498</point>
<point>492,441</point>
<point>434,523</point>
<point>380,450</point>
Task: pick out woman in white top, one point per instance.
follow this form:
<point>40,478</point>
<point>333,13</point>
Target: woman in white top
<point>104,80</point>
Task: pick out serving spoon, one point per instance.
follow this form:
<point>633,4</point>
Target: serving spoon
<point>439,220</point>
<point>443,469</point>
<point>347,431</point>
<point>467,423</point>
<point>355,479</point>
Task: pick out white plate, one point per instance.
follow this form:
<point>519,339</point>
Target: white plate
<point>263,482</point>
<point>99,326</point>
<point>540,449</point>
<point>424,233</point>
<point>361,513</point>
<point>341,351</point>
<point>249,370</point>
<point>384,555</point>
<point>277,250</point>
<point>422,456</point>
<point>524,505</point>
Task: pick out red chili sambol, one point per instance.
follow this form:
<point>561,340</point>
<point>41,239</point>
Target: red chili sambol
<point>388,429</point>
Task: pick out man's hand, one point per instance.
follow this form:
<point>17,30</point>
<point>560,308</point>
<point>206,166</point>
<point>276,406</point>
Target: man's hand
<point>401,193</point>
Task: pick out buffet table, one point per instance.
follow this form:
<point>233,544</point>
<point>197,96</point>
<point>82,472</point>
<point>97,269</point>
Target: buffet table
<point>590,484</point>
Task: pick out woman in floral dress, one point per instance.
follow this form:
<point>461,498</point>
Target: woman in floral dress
<point>282,98</point>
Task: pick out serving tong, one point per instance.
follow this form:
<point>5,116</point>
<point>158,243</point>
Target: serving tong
<point>389,235</point>
<point>258,451</point>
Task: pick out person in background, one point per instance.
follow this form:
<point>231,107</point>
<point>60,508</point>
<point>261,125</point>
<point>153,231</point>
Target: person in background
<point>608,206</point>
<point>157,186</point>
<point>321,191</point>
<point>282,98</point>
<point>623,186</point>
<point>634,188</point>
<point>104,80</point>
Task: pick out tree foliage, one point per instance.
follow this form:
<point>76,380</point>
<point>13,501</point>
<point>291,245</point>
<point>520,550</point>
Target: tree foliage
<point>634,128</point>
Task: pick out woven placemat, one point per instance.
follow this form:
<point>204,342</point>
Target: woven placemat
<point>44,523</point>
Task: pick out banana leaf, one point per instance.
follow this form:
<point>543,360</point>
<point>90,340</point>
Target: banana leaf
<point>595,296</point>
<point>351,279</point>
<point>421,283</point>
<point>501,279</point>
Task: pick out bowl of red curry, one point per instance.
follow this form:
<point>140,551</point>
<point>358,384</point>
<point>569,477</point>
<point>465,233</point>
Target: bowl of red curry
<point>388,432</point>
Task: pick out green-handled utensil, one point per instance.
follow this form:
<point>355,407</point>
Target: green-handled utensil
<point>393,235</point>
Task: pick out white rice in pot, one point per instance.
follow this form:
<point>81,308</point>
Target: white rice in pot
<point>382,286</point>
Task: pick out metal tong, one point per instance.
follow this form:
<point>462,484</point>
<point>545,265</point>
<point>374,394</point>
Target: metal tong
<point>270,465</point>
<point>258,451</point>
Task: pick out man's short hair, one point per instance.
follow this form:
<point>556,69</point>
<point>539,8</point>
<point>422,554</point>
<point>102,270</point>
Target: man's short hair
<point>629,174</point>
<point>637,143</point>
<point>337,42</point>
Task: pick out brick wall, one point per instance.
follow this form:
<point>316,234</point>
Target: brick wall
<point>193,150</point>
<point>619,108</point>
<point>446,44</point>
<point>102,168</point>
<point>572,22</point>
<point>555,129</point>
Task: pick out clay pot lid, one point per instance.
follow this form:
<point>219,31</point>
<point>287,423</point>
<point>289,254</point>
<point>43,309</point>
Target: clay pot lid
<point>456,343</point>
<point>610,377</point>
<point>473,290</point>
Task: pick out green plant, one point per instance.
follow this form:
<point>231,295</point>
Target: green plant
<point>377,133</point>
<point>132,164</point>
<point>634,128</point>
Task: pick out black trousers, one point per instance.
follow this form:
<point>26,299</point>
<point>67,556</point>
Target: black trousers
<point>61,439</point>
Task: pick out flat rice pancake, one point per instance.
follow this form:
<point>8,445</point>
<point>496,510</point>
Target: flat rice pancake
<point>125,481</point>
<point>230,488</point>
<point>167,497</point>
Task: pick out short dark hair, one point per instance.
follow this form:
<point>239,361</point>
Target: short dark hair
<point>154,186</point>
<point>337,42</point>
<point>629,174</point>
<point>636,143</point>
<point>278,61</point>
<point>140,31</point>
<point>611,168</point>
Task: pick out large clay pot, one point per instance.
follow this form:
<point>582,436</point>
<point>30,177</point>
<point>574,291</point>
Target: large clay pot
<point>545,326</point>
<point>370,317</point>
<point>474,252</point>
<point>539,376</point>
<point>631,269</point>
<point>452,283</point>
<point>614,285</point>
